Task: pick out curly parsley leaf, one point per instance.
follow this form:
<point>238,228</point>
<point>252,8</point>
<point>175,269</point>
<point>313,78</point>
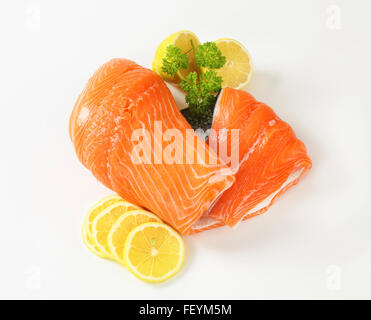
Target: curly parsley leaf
<point>208,55</point>
<point>201,92</point>
<point>210,82</point>
<point>174,60</point>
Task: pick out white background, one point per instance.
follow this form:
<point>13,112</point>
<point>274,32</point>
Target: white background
<point>312,65</point>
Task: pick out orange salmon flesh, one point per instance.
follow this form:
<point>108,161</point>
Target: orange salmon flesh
<point>122,100</point>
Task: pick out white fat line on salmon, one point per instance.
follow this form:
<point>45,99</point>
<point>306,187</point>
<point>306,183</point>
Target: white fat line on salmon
<point>157,146</point>
<point>83,115</point>
<point>205,221</point>
<point>268,200</point>
<point>258,142</point>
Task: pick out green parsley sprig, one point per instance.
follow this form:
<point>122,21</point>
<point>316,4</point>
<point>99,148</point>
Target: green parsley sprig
<point>201,88</point>
<point>201,91</point>
<point>208,55</point>
<point>174,60</point>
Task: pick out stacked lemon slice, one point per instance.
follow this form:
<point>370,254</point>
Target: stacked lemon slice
<point>116,229</point>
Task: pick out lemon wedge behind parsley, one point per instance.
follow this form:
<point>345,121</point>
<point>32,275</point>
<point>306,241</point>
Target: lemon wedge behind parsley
<point>182,39</point>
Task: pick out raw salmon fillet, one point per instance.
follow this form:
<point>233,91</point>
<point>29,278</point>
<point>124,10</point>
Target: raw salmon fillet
<point>122,98</point>
<point>271,158</point>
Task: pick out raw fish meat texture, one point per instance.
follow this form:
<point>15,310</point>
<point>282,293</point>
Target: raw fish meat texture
<point>122,97</point>
<point>271,158</point>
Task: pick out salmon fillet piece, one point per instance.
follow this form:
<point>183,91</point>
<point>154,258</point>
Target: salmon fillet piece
<point>271,159</point>
<point>124,104</point>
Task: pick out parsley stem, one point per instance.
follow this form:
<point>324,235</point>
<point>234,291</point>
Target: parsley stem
<point>194,53</point>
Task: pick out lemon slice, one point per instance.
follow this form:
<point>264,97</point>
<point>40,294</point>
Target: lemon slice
<point>104,221</point>
<point>182,39</point>
<point>121,229</point>
<point>238,68</point>
<point>154,252</point>
<point>90,243</point>
<point>97,209</point>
